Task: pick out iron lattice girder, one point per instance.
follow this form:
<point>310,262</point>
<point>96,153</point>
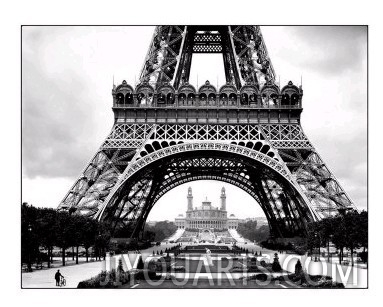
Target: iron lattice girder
<point>245,55</point>
<point>189,166</point>
<point>96,181</point>
<point>317,181</point>
<point>163,54</point>
<point>207,42</point>
<point>279,135</point>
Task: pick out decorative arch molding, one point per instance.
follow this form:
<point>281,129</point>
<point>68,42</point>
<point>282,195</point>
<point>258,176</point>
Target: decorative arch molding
<point>207,89</point>
<point>203,146</point>
<point>249,89</point>
<point>145,88</point>
<point>261,146</point>
<point>228,89</point>
<point>124,87</point>
<point>186,89</point>
<point>269,88</point>
<point>290,89</point>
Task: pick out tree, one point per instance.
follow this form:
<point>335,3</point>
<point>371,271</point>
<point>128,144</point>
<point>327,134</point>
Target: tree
<point>120,267</point>
<point>326,227</point>
<point>64,232</point>
<point>29,234</point>
<point>276,266</point>
<point>363,234</point>
<point>47,219</point>
<point>43,227</point>
<point>248,230</point>
<point>78,228</point>
<point>149,235</point>
<point>346,230</point>
<point>298,268</point>
<point>102,239</point>
<point>88,235</point>
<point>355,232</point>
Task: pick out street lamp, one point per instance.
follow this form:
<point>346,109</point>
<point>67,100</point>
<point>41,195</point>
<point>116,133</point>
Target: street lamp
<point>99,246</point>
<point>29,247</point>
<point>317,238</point>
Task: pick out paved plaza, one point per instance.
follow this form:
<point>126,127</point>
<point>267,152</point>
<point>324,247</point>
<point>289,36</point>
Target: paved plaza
<point>73,275</point>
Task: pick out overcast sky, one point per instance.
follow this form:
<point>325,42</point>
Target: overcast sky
<point>67,80</point>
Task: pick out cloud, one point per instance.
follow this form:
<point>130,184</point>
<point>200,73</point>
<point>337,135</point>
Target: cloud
<point>56,108</point>
<point>67,80</point>
<point>333,50</point>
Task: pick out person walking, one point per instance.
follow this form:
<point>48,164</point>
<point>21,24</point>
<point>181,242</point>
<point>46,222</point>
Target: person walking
<point>57,277</point>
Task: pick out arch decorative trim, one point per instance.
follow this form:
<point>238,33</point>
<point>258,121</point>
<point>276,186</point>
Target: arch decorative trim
<point>217,146</point>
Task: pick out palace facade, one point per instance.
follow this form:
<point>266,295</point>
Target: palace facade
<point>206,216</point>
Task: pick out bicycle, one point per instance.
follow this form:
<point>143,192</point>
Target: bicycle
<point>62,282</point>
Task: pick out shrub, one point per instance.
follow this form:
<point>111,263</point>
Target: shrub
<point>120,267</point>
<point>105,280</point>
<point>276,267</point>
<point>261,277</point>
<point>298,268</point>
<point>140,264</point>
<point>321,282</point>
<point>363,256</point>
<point>253,268</point>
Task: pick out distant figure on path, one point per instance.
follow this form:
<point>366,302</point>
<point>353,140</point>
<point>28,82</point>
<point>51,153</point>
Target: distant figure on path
<point>57,277</point>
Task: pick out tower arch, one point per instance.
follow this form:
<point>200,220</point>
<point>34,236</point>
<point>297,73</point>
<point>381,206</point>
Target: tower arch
<point>253,172</point>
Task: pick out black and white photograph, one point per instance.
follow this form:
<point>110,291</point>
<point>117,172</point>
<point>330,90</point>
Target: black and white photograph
<point>191,153</point>
<point>207,156</point>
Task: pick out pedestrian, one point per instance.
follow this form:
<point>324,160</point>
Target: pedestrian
<point>57,277</point>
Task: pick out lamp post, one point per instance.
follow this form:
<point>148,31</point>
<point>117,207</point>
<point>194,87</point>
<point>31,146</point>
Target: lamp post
<point>99,246</point>
<point>328,248</point>
<point>317,238</point>
<point>29,247</point>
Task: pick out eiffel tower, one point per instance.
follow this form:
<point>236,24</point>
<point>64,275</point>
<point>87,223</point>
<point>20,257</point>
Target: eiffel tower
<point>247,133</point>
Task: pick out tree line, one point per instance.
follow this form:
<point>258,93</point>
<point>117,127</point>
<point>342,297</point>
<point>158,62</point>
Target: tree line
<point>159,231</point>
<point>48,228</point>
<point>250,231</point>
<point>347,230</point>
